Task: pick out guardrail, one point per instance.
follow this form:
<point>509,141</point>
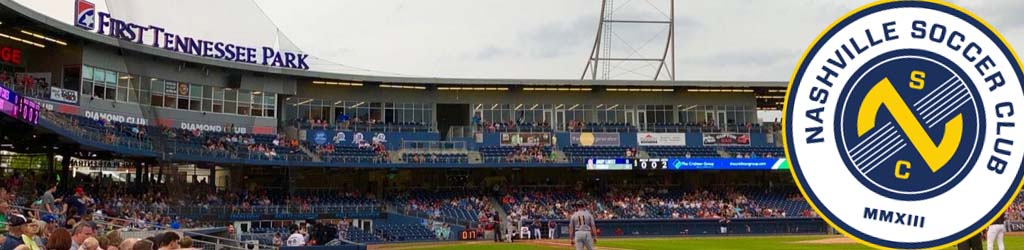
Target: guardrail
<point>467,131</point>
<point>405,210</point>
<point>413,146</point>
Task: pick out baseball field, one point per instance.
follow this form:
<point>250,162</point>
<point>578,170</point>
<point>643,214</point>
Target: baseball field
<point>702,243</point>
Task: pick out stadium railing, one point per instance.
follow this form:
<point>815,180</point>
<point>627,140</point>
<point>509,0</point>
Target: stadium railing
<point>145,147</point>
<point>736,226</point>
<point>405,210</point>
<point>226,212</point>
<point>413,146</point>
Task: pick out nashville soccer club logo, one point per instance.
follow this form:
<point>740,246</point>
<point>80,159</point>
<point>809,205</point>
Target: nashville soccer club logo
<point>902,125</point>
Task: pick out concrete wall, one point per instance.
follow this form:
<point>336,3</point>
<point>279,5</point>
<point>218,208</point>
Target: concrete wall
<point>51,59</point>
<point>136,63</point>
<point>141,114</point>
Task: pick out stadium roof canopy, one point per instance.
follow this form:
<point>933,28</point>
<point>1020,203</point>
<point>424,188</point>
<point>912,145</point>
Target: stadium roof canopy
<point>15,13</point>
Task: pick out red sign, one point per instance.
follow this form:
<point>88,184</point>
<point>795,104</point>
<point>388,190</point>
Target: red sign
<point>10,55</point>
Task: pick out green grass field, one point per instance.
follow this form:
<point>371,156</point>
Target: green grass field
<point>702,243</point>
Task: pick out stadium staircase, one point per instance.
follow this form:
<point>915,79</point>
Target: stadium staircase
<point>559,155</point>
<point>499,208</point>
<point>305,150</point>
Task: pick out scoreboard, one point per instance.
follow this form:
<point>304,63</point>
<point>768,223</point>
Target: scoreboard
<point>610,164</point>
<point>688,164</point>
<point>18,107</point>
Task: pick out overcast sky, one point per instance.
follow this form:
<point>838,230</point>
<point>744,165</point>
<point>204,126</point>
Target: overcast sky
<point>716,40</point>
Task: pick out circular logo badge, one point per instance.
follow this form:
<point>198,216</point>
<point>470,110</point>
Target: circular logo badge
<point>901,124</point>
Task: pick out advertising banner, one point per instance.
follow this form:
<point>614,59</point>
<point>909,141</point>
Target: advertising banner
<point>726,139</point>
<point>64,95</point>
<point>727,163</point>
<point>594,139</point>
<point>661,139</point>
<point>170,88</point>
<point>525,138</point>
<point>182,89</point>
<point>1014,225</point>
<point>242,35</point>
<point>321,136</point>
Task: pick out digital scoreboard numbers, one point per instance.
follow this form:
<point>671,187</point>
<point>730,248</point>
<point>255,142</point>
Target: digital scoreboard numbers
<point>650,164</point>
<point>688,164</point>
<point>18,107</point>
<point>28,111</point>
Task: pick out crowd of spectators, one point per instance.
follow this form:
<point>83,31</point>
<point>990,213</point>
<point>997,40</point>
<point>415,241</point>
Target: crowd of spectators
<point>531,204</point>
<point>90,216</point>
<point>495,126</point>
<point>754,155</point>
<point>26,84</point>
<point>434,206</point>
<point>653,203</point>
<point>536,153</point>
<point>362,122</point>
<point>650,202</point>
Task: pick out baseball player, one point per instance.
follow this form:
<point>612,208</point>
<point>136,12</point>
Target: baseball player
<point>582,231</point>
<point>996,231</point>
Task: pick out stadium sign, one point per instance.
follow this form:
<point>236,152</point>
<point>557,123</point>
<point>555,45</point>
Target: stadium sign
<point>64,95</point>
<point>88,17</point>
<point>688,164</point>
<point>900,125</point>
<point>588,139</point>
<point>727,164</point>
<point>661,139</point>
<point>95,115</point>
<point>525,138</point>
<point>726,139</point>
<point>10,55</point>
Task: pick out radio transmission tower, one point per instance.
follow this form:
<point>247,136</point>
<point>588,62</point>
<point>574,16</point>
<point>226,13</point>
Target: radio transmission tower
<point>628,39</point>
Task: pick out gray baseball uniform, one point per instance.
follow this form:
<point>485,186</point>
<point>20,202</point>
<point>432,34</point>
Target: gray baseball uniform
<point>582,223</point>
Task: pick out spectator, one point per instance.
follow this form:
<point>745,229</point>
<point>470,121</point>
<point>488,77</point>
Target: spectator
<point>145,244</point>
<point>295,239</point>
<point>127,244</point>
<point>113,240</point>
<point>15,227</point>
<point>5,209</point>
<point>185,243</point>
<point>90,244</point>
<point>31,233</point>
<point>60,239</point>
<point>277,242</point>
<point>48,202</point>
<point>81,232</point>
<point>169,241</point>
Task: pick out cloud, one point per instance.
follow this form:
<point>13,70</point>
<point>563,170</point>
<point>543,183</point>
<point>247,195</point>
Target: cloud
<point>560,38</point>
<point>489,53</point>
<point>716,40</point>
<point>749,58</point>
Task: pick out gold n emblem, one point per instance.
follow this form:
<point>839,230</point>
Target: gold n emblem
<point>934,154</point>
